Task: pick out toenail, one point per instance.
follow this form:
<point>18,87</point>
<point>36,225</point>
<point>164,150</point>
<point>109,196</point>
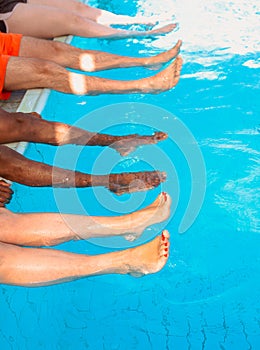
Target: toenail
<point>166,249</point>
<point>163,237</point>
<point>165,244</point>
<point>166,255</point>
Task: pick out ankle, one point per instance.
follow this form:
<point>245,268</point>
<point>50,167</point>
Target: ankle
<point>147,61</point>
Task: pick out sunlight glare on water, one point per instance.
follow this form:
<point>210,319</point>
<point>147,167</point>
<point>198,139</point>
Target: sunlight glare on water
<point>207,296</point>
<point>230,27</point>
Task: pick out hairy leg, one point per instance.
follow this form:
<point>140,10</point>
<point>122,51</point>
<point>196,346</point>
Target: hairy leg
<point>89,60</point>
<point>48,22</point>
<point>29,73</point>
<point>48,229</point>
<point>40,267</point>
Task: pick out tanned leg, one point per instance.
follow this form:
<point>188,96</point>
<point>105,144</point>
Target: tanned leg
<point>41,267</point>
<point>48,22</point>
<point>88,60</point>
<point>28,73</point>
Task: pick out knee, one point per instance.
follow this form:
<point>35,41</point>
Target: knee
<point>80,7</point>
<point>4,251</point>
<point>8,254</point>
<point>43,72</point>
<point>75,22</point>
<point>8,221</point>
<point>57,48</point>
<point>37,67</point>
<point>44,67</point>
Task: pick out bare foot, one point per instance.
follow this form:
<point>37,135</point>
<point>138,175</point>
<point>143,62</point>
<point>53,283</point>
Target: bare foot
<point>147,258</point>
<point>164,80</point>
<point>163,57</point>
<point>129,143</point>
<point>5,193</point>
<point>133,182</point>
<point>157,212</point>
<point>162,30</point>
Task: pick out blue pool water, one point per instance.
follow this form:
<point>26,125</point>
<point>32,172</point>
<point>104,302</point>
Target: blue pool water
<point>208,295</point>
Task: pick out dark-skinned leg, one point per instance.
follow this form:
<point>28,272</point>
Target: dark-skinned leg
<point>17,168</point>
<point>15,127</point>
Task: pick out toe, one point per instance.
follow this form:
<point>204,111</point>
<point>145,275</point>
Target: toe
<point>165,236</point>
<point>165,244</point>
<point>161,199</point>
<point>165,196</point>
<point>159,136</point>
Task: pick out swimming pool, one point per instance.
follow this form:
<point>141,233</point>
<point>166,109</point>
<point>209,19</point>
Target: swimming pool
<point>207,297</point>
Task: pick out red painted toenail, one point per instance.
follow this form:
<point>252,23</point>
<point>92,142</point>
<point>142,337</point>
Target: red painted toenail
<point>166,255</point>
<point>166,249</point>
<point>165,244</point>
<point>163,237</point>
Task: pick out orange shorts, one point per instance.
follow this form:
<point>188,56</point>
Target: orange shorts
<point>9,46</point>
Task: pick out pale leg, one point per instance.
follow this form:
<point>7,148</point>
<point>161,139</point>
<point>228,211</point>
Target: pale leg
<point>48,229</point>
<point>96,14</point>
<point>49,22</point>
<point>40,267</point>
